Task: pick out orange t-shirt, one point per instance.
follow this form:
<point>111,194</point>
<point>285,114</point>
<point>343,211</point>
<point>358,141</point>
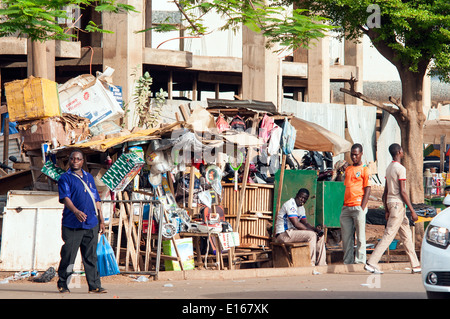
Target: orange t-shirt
<point>356,179</point>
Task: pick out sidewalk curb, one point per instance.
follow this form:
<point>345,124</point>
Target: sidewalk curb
<point>272,272</point>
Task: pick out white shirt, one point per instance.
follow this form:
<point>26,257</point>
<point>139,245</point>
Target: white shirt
<point>289,209</point>
<point>395,173</point>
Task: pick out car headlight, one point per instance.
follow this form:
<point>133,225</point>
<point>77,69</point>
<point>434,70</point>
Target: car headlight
<point>437,236</point>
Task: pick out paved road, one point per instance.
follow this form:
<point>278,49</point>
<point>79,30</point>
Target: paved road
<point>393,284</point>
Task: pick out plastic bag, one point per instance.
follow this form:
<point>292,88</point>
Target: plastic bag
<point>238,123</point>
<point>106,261</point>
<point>221,124</point>
<point>288,137</point>
<point>267,124</point>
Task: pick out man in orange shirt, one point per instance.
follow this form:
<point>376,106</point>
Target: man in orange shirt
<point>353,214</point>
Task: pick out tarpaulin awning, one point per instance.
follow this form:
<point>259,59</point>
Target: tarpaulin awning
<point>313,137</point>
<point>143,135</point>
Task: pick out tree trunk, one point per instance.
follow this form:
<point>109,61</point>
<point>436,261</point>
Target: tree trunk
<point>411,124</point>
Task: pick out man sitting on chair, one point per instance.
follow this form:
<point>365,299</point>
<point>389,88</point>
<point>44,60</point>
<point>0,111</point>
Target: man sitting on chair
<point>291,227</point>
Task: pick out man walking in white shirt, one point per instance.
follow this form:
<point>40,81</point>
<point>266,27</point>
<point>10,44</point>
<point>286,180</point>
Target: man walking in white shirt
<point>394,199</point>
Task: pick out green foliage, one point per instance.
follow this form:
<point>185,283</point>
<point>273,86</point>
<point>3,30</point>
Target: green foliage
<point>37,19</point>
<point>148,110</point>
<point>411,32</point>
<point>289,28</point>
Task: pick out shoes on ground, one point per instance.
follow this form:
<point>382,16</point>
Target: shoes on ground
<point>99,290</point>
<point>372,269</point>
<point>63,290</point>
<point>416,270</point>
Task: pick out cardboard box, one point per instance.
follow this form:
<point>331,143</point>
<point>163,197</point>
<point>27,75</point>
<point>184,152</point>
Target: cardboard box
<point>122,172</point>
<point>186,251</point>
<point>86,96</point>
<point>57,131</point>
<point>32,99</point>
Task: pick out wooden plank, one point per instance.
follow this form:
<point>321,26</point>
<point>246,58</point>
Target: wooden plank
<point>280,189</point>
<point>119,234</point>
<point>130,247</point>
<point>246,173</point>
<point>148,246</point>
<point>135,236</point>
<point>185,112</point>
<point>191,187</point>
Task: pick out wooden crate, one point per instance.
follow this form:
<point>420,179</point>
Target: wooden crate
<point>258,197</point>
<point>256,213</point>
<point>291,255</point>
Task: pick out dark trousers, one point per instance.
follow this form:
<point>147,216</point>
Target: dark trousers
<point>86,240</point>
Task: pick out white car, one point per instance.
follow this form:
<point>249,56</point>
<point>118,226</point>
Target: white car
<point>435,257</point>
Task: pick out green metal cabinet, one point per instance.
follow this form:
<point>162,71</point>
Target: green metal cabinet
<point>292,182</point>
<point>329,202</point>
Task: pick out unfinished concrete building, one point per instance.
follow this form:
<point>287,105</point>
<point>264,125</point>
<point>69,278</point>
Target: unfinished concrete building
<point>258,74</point>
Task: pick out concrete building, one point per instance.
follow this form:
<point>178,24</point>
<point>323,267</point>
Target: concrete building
<point>219,65</point>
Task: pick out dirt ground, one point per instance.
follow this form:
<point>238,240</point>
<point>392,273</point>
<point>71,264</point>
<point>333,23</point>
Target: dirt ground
<point>78,279</point>
<point>373,233</point>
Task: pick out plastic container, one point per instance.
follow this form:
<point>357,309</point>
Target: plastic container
<point>427,181</point>
<point>393,244</point>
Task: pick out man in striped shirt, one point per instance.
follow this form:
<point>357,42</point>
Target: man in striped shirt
<point>292,227</point>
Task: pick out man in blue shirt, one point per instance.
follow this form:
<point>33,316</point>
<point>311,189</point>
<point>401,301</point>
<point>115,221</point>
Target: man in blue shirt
<point>82,221</point>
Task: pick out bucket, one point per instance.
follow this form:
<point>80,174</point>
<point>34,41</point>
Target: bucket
<point>393,245</point>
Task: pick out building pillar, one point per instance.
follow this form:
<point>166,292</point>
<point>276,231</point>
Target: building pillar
<point>319,71</point>
<point>353,55</point>
<point>123,51</point>
<point>259,69</point>
<point>41,59</point>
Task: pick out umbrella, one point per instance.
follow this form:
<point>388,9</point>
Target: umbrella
<point>313,137</point>
<point>434,129</point>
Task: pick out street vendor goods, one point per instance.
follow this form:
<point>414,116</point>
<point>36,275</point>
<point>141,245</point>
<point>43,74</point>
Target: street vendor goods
<point>57,131</point>
<point>123,171</point>
<point>86,96</point>
<point>32,99</point>
<point>52,171</point>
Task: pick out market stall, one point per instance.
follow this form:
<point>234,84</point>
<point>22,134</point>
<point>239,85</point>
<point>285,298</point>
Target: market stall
<point>194,193</point>
<point>436,132</point>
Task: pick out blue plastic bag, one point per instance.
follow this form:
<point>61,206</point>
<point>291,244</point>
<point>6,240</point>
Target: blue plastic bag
<point>288,137</point>
<point>106,261</point>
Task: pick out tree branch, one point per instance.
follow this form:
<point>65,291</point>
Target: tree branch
<point>366,99</point>
<point>384,49</point>
<point>187,18</point>
<point>395,101</point>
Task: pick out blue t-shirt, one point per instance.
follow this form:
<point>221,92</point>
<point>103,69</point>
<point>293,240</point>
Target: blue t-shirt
<point>71,186</point>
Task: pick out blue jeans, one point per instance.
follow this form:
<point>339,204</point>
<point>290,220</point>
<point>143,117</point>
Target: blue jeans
<point>353,221</point>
